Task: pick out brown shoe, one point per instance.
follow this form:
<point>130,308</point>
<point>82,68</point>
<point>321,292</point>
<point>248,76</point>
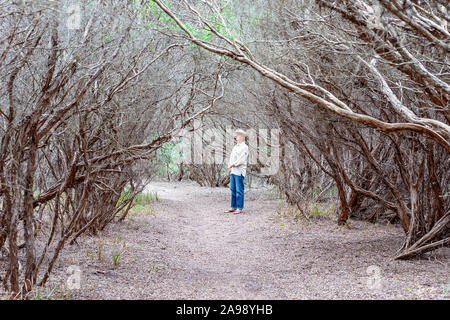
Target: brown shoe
<point>231,210</point>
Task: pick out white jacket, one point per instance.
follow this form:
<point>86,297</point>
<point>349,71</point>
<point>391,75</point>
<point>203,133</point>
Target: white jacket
<point>239,155</point>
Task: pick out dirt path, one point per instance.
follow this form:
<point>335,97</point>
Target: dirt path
<point>185,247</point>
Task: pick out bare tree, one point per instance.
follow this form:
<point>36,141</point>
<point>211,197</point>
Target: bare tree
<point>368,73</point>
<point>82,113</point>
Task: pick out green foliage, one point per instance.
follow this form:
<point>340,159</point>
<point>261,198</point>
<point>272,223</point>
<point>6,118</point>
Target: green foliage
<point>146,198</point>
<point>100,250</point>
<point>118,250</point>
<point>140,201</point>
<point>116,257</point>
<point>141,204</point>
<point>43,293</point>
<point>39,295</point>
<point>150,9</point>
<point>167,157</point>
<point>125,196</point>
<point>312,211</point>
<point>160,18</point>
<point>317,210</point>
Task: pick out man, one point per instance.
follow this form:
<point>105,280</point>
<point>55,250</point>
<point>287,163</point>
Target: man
<point>237,166</point>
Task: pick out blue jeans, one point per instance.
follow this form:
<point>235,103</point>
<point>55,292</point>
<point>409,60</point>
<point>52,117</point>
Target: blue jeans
<point>237,191</point>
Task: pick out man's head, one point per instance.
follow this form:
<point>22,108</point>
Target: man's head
<point>240,135</point>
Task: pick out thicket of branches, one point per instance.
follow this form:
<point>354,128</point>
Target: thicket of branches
<point>361,92</point>
<point>82,111</point>
<point>359,89</point>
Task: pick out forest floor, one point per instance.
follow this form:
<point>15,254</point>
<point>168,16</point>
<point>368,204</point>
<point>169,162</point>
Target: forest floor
<point>183,246</point>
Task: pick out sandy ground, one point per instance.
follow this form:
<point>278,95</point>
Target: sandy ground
<point>184,247</point>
